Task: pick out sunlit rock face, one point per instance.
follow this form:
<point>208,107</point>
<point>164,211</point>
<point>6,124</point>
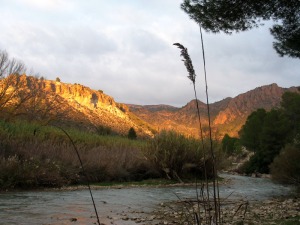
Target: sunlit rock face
<point>83,105</point>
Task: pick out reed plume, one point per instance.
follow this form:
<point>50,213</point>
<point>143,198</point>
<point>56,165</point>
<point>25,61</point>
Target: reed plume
<point>187,62</point>
<point>205,197</point>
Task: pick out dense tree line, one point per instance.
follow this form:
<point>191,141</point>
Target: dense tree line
<point>273,135</point>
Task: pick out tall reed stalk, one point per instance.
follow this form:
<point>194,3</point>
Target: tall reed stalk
<point>203,196</point>
<point>83,171</point>
<point>215,181</point>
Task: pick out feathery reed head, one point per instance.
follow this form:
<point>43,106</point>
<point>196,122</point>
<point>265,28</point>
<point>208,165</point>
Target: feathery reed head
<point>187,62</point>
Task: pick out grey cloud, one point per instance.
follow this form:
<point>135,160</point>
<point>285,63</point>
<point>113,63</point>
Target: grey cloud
<point>146,42</point>
<point>62,42</point>
<point>131,57</point>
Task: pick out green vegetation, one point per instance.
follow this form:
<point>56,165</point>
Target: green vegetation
<point>176,156</point>
<point>132,134</point>
<point>32,155</point>
<point>274,137</point>
<point>270,136</point>
<point>230,15</point>
<point>103,130</point>
<point>286,166</point>
<point>251,132</point>
<point>231,145</point>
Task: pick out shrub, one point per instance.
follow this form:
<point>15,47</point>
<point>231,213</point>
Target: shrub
<point>176,156</point>
<point>231,145</point>
<point>132,134</point>
<point>286,166</point>
<point>103,130</point>
<point>16,172</point>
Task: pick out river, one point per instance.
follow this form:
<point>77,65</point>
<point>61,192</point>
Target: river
<point>75,207</point>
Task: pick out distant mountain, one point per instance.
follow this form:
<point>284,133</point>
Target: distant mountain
<point>227,115</point>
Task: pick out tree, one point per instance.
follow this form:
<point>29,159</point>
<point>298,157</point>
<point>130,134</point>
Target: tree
<point>267,133</point>
<point>132,134</point>
<point>10,66</point>
<point>286,167</point>
<point>10,84</point>
<point>230,145</point>
<point>24,96</point>
<point>241,15</point>
<point>273,138</point>
<point>57,79</point>
<point>251,131</point>
<point>291,107</point>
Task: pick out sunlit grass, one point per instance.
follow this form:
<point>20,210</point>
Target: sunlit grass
<point>24,130</point>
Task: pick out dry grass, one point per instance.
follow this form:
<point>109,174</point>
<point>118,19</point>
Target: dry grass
<point>33,156</point>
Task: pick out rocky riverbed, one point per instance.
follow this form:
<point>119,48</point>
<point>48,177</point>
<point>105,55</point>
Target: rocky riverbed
<point>233,212</point>
<point>254,199</point>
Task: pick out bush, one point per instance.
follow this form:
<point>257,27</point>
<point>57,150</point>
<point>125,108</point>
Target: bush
<point>231,145</point>
<point>132,134</point>
<point>103,130</point>
<point>286,166</point>
<point>27,173</point>
<point>176,156</point>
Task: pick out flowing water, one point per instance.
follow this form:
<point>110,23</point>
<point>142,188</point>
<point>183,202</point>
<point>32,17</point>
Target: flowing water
<point>75,207</point>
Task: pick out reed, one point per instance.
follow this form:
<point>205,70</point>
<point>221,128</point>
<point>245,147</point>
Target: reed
<point>209,211</point>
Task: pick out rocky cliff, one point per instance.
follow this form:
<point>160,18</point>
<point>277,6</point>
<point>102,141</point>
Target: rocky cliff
<point>77,105</point>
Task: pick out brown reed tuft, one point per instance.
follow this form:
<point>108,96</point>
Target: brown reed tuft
<point>187,62</point>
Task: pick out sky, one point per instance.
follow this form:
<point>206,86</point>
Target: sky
<point>125,48</point>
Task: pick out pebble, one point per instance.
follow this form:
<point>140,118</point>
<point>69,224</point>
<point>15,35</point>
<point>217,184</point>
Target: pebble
<point>268,211</point>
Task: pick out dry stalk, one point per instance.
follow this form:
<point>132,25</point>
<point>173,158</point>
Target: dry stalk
<point>205,196</point>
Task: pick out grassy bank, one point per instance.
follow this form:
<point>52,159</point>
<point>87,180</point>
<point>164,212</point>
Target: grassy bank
<point>32,155</point>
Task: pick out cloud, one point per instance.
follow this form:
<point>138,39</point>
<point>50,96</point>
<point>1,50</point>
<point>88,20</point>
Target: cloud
<point>48,5</point>
<point>126,49</point>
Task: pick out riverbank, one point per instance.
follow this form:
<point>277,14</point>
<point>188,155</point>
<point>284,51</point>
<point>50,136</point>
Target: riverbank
<point>155,183</point>
<point>272,211</point>
<point>147,205</point>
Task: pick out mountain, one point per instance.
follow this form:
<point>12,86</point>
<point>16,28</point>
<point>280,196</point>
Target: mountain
<point>227,115</point>
<point>76,105</point>
<point>69,104</point>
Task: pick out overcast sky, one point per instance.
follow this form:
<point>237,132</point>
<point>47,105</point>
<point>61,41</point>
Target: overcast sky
<point>125,48</point>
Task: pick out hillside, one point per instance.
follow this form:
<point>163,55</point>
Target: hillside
<point>80,106</point>
<point>227,115</point>
<point>71,105</point>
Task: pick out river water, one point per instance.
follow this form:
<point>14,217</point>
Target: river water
<point>62,207</point>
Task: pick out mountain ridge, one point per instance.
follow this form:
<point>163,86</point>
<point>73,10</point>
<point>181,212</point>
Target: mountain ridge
<point>227,115</point>
<point>82,106</point>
